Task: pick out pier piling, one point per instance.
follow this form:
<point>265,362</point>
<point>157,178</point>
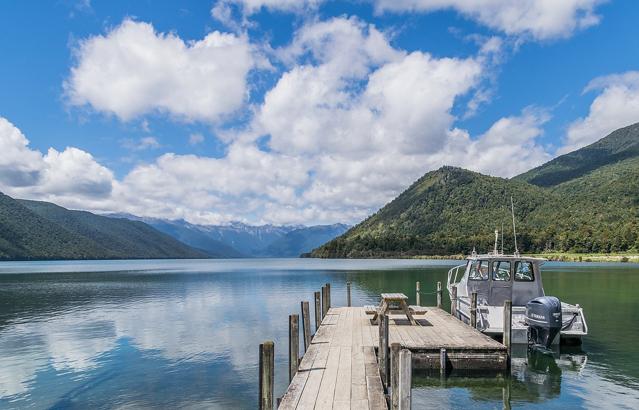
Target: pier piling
<point>418,299</point>
<point>473,309</point>
<point>508,326</point>
<point>324,302</point>
<point>267,366</point>
<point>405,378</point>
<point>348,294</point>
<point>453,301</point>
<point>318,311</point>
<point>383,348</point>
<point>394,351</point>
<point>293,345</point>
<point>439,295</point>
<point>442,361</point>
<point>328,297</point>
<point>306,325</point>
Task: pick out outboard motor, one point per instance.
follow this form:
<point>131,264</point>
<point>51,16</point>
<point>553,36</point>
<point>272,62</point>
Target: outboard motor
<point>543,317</point>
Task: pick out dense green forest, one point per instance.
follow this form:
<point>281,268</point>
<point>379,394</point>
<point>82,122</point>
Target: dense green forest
<point>585,201</point>
<point>41,230</point>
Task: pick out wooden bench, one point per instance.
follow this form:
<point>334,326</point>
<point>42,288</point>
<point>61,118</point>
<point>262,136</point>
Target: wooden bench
<point>389,299</point>
<point>370,309</point>
<point>414,309</point>
<point>417,310</point>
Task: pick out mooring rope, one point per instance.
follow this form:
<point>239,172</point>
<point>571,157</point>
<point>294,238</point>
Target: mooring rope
<point>427,293</point>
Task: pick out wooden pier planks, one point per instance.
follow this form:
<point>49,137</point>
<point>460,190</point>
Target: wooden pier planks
<point>340,370</point>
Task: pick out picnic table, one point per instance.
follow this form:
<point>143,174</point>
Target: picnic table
<point>388,300</point>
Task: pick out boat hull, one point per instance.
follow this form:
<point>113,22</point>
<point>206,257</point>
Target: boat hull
<point>490,322</point>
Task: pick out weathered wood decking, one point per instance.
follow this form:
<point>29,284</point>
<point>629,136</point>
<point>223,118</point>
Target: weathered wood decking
<point>340,370</point>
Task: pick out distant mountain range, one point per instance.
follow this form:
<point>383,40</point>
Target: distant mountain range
<point>42,230</point>
<point>584,201</point>
<point>238,240</point>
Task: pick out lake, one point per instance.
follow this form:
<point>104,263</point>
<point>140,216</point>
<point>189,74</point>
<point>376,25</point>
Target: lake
<point>185,333</point>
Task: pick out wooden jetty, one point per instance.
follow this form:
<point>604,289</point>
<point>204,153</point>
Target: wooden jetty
<point>343,367</point>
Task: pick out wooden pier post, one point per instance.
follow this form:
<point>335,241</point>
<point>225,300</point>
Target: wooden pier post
<point>453,301</point>
<point>508,327</point>
<point>418,296</point>
<point>394,376</point>
<point>439,295</point>
<point>473,309</point>
<point>405,378</point>
<point>382,352</point>
<point>348,294</point>
<point>267,367</point>
<point>442,361</point>
<point>293,345</point>
<point>318,311</point>
<point>306,325</point>
<point>328,297</point>
<point>324,303</point>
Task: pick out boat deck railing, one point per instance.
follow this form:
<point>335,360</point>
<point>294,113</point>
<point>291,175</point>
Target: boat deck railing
<point>452,276</point>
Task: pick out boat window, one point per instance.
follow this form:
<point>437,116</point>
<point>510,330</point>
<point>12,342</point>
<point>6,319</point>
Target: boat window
<point>501,270</point>
<point>524,272</point>
<point>478,270</point>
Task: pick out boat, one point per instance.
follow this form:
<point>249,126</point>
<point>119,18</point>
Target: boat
<point>497,277</point>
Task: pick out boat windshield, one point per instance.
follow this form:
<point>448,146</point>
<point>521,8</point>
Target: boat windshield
<point>524,272</point>
<point>501,271</point>
<point>478,270</point>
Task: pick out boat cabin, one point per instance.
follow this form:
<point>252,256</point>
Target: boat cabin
<point>497,278</point>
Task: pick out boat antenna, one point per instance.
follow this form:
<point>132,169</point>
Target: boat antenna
<point>512,209</point>
<point>496,239</point>
<point>502,237</point>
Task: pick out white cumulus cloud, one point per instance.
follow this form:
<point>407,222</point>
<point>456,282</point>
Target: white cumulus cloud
<point>56,176</point>
<point>350,123</point>
<point>134,70</point>
<point>540,19</point>
<point>616,106</point>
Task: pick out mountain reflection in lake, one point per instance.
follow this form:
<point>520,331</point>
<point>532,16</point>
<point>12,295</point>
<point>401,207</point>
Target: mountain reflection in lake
<point>186,333</point>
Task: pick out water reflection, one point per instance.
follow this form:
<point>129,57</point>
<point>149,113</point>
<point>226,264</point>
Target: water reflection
<point>185,334</point>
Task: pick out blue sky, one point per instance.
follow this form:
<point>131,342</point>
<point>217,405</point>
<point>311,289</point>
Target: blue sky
<point>309,111</point>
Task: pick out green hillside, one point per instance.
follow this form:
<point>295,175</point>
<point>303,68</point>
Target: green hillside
<point>26,235</point>
<point>585,201</point>
<point>41,230</point>
<point>620,145</point>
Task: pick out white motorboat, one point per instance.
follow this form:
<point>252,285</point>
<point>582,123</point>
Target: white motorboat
<point>497,277</point>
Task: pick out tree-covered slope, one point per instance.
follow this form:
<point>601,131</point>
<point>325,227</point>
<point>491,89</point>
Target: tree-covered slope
<point>585,201</point>
<point>26,235</point>
<point>41,230</point>
<point>618,146</point>
<point>120,237</point>
<point>447,211</point>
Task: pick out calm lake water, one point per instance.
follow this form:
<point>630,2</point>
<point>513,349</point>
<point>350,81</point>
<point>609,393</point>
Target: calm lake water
<point>185,334</point>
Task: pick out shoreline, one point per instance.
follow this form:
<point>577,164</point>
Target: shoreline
<point>559,257</point>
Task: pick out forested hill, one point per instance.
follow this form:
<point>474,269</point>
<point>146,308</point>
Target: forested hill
<point>617,147</point>
<point>41,230</point>
<point>585,201</point>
